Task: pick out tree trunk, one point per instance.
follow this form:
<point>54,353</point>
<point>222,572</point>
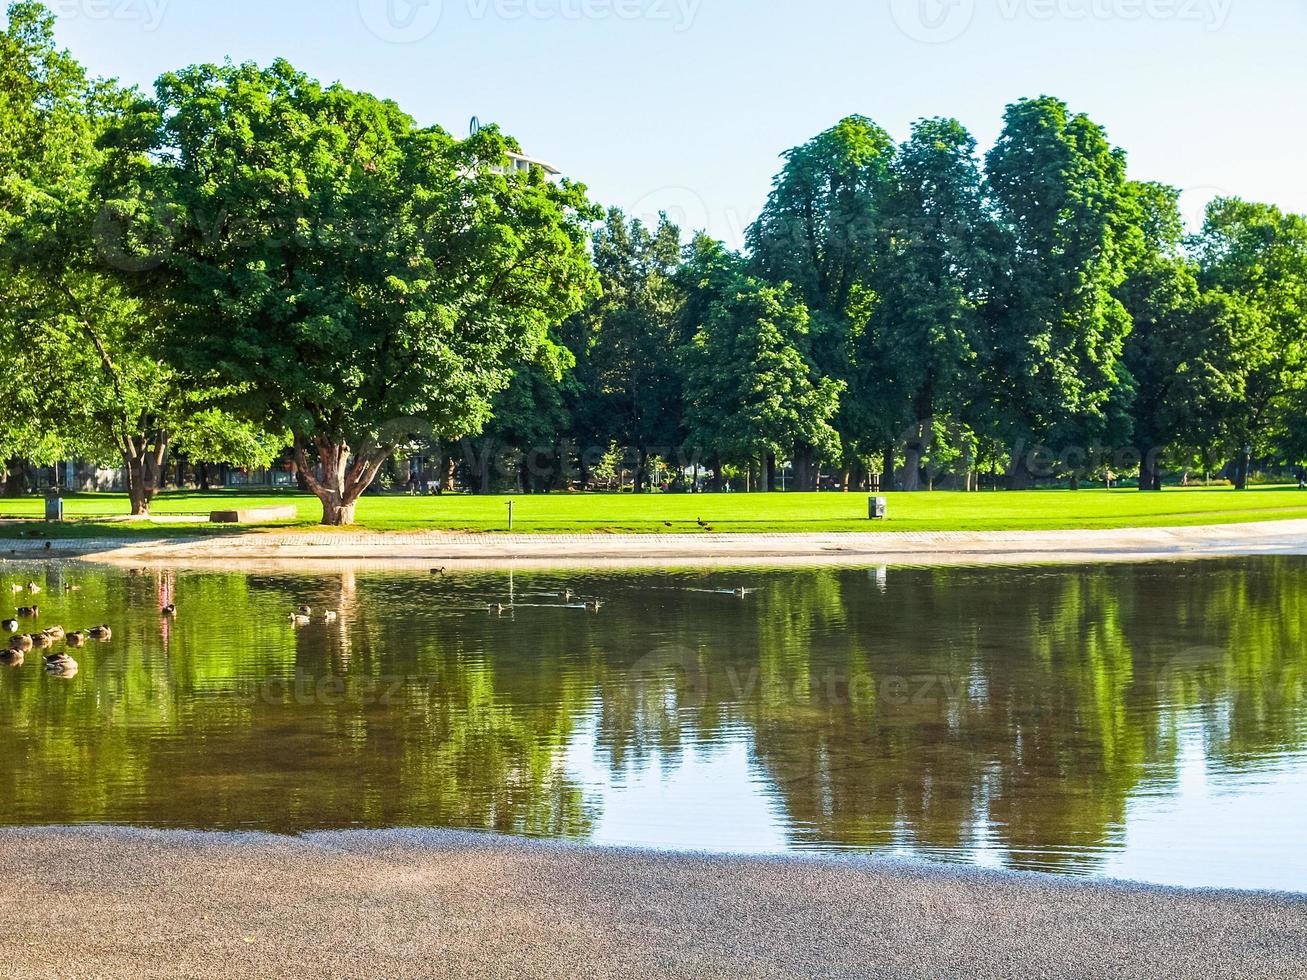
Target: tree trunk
<point>1074,480</point>
<point>887,471</point>
<point>1018,476</point>
<point>344,476</point>
<point>771,472</point>
<point>15,477</point>
<point>143,460</point>
<point>912,468</point>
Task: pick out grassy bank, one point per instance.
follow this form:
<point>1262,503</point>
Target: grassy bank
<point>92,514</point>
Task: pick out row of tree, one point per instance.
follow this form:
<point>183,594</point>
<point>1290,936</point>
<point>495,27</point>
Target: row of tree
<point>909,311</point>
<point>246,264</point>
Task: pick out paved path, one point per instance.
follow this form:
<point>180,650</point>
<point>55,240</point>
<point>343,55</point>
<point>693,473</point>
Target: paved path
<point>493,550</point>
<point>137,905</point>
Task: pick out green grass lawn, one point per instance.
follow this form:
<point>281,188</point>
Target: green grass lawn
<point>668,513</point>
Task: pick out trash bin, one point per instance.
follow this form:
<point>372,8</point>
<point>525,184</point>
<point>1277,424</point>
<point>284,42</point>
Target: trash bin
<point>54,506</point>
<point>878,508</point>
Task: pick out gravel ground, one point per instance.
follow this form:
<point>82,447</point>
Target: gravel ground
<point>92,903</point>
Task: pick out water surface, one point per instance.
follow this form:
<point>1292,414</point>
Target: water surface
<point>1144,721</point>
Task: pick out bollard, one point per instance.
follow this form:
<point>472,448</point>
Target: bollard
<point>510,515</point>
<point>54,505</point>
<point>878,508</point>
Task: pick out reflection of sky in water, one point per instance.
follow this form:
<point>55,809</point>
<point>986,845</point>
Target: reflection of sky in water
<point>708,799</point>
<point>715,798</point>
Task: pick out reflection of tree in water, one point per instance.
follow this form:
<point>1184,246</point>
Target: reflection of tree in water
<point>1013,708</point>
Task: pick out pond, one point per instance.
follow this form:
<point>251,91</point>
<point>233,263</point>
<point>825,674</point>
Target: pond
<point>1137,721</point>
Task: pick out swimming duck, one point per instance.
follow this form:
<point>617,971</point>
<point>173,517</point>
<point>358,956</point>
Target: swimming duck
<point>42,641</point>
<point>438,571</point>
<point>741,593</point>
<point>497,608</point>
<point>76,640</point>
<point>61,663</point>
<point>567,595</point>
<point>55,633</point>
<point>13,658</point>
<point>593,606</point>
<point>100,633</point>
<point>331,616</point>
<point>304,611</point>
<point>297,620</point>
<point>28,612</point>
<point>10,626</point>
<point>22,643</point>
<point>170,610</point>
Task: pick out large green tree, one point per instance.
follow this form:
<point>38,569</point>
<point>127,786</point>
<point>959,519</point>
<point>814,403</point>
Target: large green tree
<point>365,278</point>
<point>626,344</point>
<point>89,360</point>
<point>917,357</point>
<point>1257,254</point>
<point>1055,379</point>
<point>1187,348</point>
<point>821,230</point>
<point>752,394</point>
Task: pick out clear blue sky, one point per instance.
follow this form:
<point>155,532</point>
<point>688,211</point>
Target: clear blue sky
<point>685,104</point>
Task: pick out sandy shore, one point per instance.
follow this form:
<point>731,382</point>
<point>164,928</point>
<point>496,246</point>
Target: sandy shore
<point>106,903</point>
<point>469,551</point>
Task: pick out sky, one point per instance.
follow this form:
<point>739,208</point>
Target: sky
<point>685,106</point>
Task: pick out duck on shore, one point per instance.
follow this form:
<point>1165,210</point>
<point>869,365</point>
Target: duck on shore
<point>33,588</point>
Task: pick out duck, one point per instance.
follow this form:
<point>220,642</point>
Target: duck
<point>497,609</point>
<point>56,632</point>
<point>33,588</point>
<point>10,626</point>
<point>304,611</point>
<point>72,588</point>
<point>61,663</point>
<point>741,592</point>
<point>28,612</point>
<point>15,589</point>
<point>330,616</point>
<point>13,658</point>
<point>42,641</point>
<point>170,610</point>
<point>21,643</point>
<point>439,571</point>
<point>76,640</point>
<point>297,620</point>
<point>593,606</point>
<point>567,595</point>
<point>100,633</point>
